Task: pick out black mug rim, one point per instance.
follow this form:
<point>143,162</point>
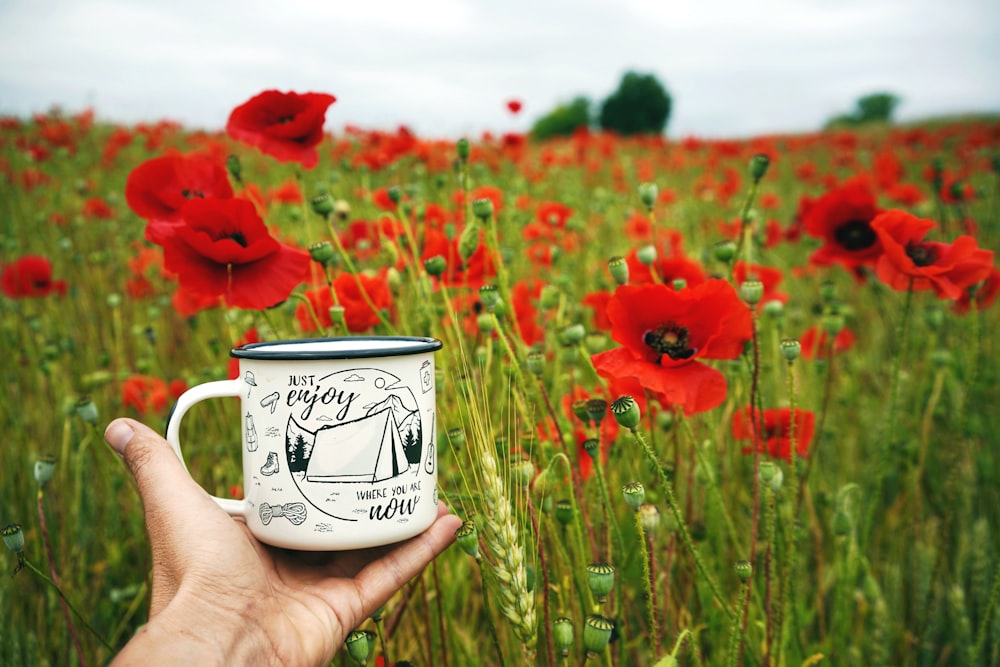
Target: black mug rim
<point>265,351</point>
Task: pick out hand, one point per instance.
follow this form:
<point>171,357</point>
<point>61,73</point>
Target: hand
<point>220,595</point>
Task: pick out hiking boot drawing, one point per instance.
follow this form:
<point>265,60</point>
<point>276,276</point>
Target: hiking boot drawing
<point>271,466</point>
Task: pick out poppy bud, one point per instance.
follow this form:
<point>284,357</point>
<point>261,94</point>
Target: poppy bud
<point>322,204</point>
<point>87,410</point>
<point>322,253</point>
<point>13,537</point>
<point>626,412</point>
<point>536,362</point>
<point>485,322</point>
<point>601,579</point>
<point>597,633</point>
<point>579,408</point>
<point>468,242</point>
<point>114,300</point>
<point>634,493</point>
<point>646,254</point>
<point>596,409</point>
<point>489,295</point>
<point>647,194</point>
<point>549,297</point>
<point>833,323</point>
<point>456,436</point>
<point>744,569</point>
<point>483,208</point>
<point>562,635</point>
<point>462,148</point>
<point>649,518</point>
<point>591,446</point>
<point>467,537</point>
<point>523,471</point>
<point>572,335</point>
<point>564,512</point>
<point>758,166</point>
<point>45,465</point>
<point>235,168</point>
<point>595,341</point>
<point>359,645</point>
<point>618,268</point>
<point>724,251</point>
<point>774,308</point>
<point>337,317</point>
<point>790,349</point>
<point>435,265</point>
<point>752,291</point>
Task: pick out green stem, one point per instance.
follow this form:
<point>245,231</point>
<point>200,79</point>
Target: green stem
<point>668,491</point>
<point>647,576</point>
<point>27,563</point>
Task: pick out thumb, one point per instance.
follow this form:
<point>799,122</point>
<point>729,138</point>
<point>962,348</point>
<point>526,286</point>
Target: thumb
<point>159,473</point>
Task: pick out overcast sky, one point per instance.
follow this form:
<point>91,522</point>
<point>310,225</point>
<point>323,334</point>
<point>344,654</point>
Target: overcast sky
<point>446,67</point>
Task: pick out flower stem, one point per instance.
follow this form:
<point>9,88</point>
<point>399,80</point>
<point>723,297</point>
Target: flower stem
<point>648,583</point>
<point>668,491</point>
<point>62,596</point>
<point>49,554</point>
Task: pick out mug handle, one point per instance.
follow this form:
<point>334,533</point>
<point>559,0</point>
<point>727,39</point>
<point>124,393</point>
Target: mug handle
<point>187,399</point>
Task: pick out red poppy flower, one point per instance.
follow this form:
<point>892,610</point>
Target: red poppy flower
<point>909,260</point>
<point>668,269</point>
<point>472,273</point>
<point>664,332</point>
<point>146,394</point>
<point>776,431</point>
<point>98,209</point>
<point>358,315</point>
<point>158,188</point>
<point>514,106</point>
<point>842,219</point>
<point>222,248</point>
<point>189,304</point>
<point>598,302</point>
<point>286,126</point>
<point>30,276</point>
<point>814,343</point>
<point>251,336</point>
<point>525,295</point>
<point>985,294</point>
<point>769,277</point>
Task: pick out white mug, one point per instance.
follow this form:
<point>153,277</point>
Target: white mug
<point>338,440</point>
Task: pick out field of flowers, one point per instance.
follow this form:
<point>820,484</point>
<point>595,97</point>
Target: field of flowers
<point>700,402</point>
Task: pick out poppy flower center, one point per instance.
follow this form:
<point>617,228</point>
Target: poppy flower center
<point>233,236</point>
<point>285,119</point>
<point>671,340</point>
<point>855,235</point>
<point>190,194</point>
<point>922,254</point>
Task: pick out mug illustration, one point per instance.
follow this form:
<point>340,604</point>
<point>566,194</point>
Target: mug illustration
<point>354,435</point>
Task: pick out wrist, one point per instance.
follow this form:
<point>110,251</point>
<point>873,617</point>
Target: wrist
<point>193,630</point>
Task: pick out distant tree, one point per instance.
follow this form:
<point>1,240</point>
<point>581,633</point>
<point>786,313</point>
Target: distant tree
<point>876,107</point>
<point>641,105</point>
<point>563,120</point>
<point>872,108</point>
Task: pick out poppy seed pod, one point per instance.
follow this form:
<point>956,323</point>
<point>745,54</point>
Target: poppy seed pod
<point>597,633</point>
<point>791,349</point>
<point>322,253</point>
<point>564,512</point>
<point>743,569</point>
<point>13,537</point>
<point>322,204</point>
<point>489,295</point>
<point>562,635</point>
<point>596,409</point>
<point>435,265</point>
<point>572,335</point>
<point>647,194</point>
<point>87,411</point>
<point>618,268</point>
<point>626,412</point>
<point>634,494</point>
<point>535,362</point>
<point>601,580</point>
<point>45,465</point>
<point>646,254</point>
<point>467,537</point>
<point>359,645</point>
<point>724,251</point>
<point>758,166</point>
<point>462,148</point>
<point>483,208</point>
<point>649,518</point>
<point>752,291</point>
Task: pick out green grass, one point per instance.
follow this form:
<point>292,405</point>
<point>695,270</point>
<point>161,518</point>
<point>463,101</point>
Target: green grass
<point>918,588</point>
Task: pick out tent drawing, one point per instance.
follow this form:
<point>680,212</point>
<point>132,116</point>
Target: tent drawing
<point>369,449</point>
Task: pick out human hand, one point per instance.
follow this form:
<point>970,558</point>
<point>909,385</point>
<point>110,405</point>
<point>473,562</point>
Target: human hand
<point>221,595</point>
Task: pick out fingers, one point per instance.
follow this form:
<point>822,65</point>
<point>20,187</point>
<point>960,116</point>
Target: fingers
<point>383,577</point>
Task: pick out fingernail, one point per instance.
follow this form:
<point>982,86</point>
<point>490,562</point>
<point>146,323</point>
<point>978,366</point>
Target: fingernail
<point>118,435</point>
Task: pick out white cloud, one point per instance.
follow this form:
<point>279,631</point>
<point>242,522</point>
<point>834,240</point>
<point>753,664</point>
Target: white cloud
<point>446,67</point>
